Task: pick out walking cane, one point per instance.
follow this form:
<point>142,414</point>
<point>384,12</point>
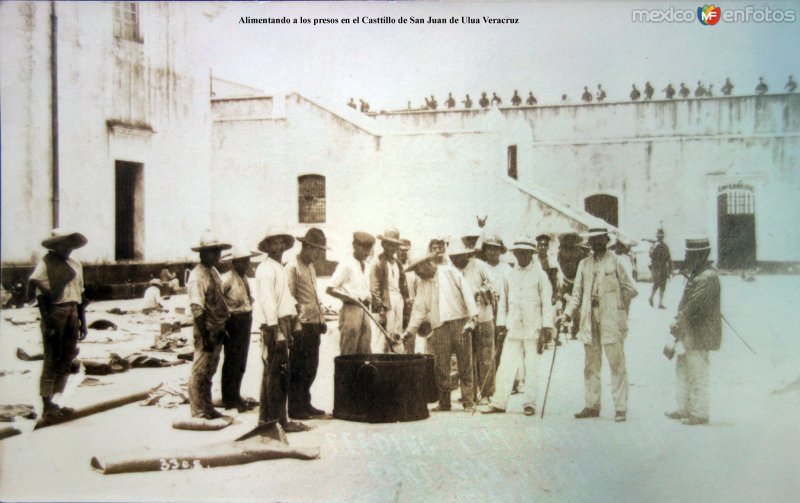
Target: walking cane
<point>550,375</point>
<point>385,333</point>
<point>737,333</point>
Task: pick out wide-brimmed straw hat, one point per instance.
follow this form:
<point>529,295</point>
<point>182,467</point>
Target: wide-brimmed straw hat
<point>419,261</point>
<point>698,245</point>
<point>154,282</point>
<point>70,239</point>
<point>314,237</point>
<point>276,232</point>
<point>236,253</point>
<point>391,235</point>
<point>208,241</point>
<point>406,244</point>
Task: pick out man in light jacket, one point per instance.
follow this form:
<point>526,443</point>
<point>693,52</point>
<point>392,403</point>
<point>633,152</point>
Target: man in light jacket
<point>530,314</point>
<point>602,294</point>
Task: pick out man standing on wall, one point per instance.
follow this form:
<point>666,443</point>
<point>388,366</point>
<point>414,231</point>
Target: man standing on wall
<point>602,294</point>
<point>210,313</point>
<point>58,280</point>
<point>698,327</point>
<point>310,325</point>
<point>660,266</point>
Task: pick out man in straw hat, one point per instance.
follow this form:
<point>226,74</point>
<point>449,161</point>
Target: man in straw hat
<point>350,283</point>
<point>698,326</point>
<point>277,309</point>
<point>210,313</point>
<point>58,280</point>
<point>310,324</point>
<point>492,248</point>
<point>479,279</point>
<point>445,301</point>
<point>602,294</point>
<point>389,289</point>
<point>661,267</point>
<point>530,315</point>
<point>237,293</point>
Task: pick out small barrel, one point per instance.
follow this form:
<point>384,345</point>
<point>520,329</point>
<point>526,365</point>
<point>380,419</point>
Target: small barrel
<point>383,388</point>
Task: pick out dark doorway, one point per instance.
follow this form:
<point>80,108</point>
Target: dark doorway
<point>602,206</point>
<point>736,219</point>
<point>129,218</point>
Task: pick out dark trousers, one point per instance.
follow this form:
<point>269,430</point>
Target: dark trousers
<point>60,342</point>
<point>236,347</point>
<point>275,379</point>
<point>303,363</point>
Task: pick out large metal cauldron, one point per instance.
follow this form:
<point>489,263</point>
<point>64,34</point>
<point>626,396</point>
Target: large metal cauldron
<point>383,388</point>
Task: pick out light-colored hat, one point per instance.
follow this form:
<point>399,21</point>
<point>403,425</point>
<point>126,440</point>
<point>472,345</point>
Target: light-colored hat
<point>700,244</point>
<point>495,241</point>
<point>314,237</point>
<point>207,241</point>
<point>406,244</point>
<point>596,231</point>
<point>276,232</point>
<point>391,235</point>
<point>154,282</point>
<point>460,249</point>
<point>419,261</point>
<point>524,243</point>
<point>72,240</point>
<point>235,253</point>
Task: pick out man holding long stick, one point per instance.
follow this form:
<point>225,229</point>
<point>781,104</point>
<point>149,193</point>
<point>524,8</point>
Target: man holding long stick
<point>530,315</point>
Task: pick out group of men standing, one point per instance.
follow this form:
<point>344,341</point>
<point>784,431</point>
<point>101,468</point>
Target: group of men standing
<point>461,298</point>
<point>292,322</point>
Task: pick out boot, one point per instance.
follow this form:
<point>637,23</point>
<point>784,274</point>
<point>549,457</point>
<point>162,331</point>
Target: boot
<point>587,412</point>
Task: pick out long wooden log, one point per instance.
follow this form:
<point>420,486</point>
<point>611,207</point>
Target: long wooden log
<point>263,443</point>
<point>95,409</point>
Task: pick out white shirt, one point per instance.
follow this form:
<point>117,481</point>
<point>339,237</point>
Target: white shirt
<point>273,298</point>
<point>445,297</point>
<point>74,289</point>
<point>529,307</point>
<point>152,296</point>
<point>351,279</point>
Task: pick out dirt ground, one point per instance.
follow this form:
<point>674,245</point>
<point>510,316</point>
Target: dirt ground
<point>749,452</point>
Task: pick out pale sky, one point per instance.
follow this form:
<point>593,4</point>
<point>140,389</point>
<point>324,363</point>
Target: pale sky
<point>556,48</point>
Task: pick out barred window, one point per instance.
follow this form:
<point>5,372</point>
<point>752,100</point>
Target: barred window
<point>512,161</point>
<point>738,202</point>
<point>311,199</point>
<point>126,21</point>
